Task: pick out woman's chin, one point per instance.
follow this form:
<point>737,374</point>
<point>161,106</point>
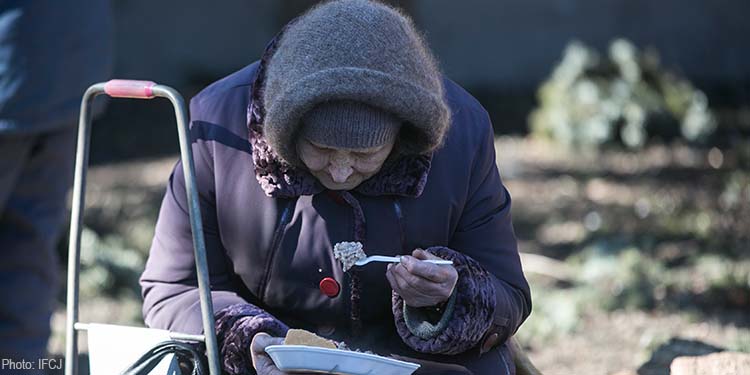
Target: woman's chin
<point>340,186</point>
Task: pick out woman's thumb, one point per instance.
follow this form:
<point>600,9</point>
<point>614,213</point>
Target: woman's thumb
<point>262,339</point>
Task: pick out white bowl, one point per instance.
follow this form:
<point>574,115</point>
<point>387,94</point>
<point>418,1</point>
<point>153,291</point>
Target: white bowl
<point>302,358</point>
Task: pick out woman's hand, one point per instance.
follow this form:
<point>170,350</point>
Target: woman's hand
<point>261,361</point>
<point>421,284</point>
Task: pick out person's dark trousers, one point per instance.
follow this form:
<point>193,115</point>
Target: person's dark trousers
<point>36,171</point>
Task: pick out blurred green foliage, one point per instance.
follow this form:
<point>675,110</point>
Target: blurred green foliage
<point>624,96</point>
<point>610,275</point>
<point>109,267</point>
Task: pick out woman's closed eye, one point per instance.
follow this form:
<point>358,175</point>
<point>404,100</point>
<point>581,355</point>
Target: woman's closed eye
<point>323,150</point>
<point>366,156</point>
<point>369,164</point>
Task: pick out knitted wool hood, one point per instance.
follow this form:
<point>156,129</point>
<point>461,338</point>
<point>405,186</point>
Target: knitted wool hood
<point>354,50</point>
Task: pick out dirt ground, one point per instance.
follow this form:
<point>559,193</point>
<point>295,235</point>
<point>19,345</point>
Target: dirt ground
<point>650,200</point>
<point>682,211</point>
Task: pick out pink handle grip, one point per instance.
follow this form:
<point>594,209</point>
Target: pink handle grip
<point>126,88</point>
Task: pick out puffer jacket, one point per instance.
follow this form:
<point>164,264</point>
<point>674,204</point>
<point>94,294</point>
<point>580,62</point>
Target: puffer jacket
<point>270,230</point>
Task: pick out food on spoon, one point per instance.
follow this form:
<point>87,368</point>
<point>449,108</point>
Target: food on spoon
<point>307,338</point>
<point>348,253</point>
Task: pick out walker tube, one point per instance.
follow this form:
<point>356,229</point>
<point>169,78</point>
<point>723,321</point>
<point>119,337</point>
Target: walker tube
<point>139,90</point>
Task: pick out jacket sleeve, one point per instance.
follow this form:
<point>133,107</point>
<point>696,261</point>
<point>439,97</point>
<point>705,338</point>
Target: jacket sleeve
<point>462,322</point>
<point>492,297</point>
<point>236,325</point>
<point>169,283</point>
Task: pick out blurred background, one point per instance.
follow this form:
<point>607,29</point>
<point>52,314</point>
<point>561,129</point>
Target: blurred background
<point>623,135</point>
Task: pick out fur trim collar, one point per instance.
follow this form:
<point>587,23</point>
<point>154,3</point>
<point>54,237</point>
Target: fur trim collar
<point>405,176</point>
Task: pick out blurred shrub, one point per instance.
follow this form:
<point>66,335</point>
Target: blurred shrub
<point>628,278</point>
<point>625,96</point>
<point>556,312</point>
<point>620,278</point>
<point>611,275</point>
<point>109,267</point>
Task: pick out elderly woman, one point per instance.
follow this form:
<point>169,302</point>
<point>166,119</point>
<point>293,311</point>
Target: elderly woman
<point>345,130</point>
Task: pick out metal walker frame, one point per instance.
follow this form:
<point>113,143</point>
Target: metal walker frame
<point>137,90</point>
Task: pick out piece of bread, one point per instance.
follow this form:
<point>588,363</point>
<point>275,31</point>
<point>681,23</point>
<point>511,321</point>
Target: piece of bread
<point>302,337</point>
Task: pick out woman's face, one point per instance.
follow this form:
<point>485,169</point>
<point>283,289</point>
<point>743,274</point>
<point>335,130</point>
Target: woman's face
<point>341,168</point>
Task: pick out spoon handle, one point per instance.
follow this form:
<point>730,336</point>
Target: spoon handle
<point>439,261</point>
<point>381,258</point>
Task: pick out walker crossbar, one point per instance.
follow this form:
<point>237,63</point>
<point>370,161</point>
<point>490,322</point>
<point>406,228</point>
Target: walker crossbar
<point>138,90</point>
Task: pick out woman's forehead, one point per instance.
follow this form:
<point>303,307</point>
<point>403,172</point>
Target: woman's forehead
<point>358,150</point>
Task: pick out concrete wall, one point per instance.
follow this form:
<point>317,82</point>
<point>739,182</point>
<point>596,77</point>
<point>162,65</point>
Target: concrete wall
<point>498,49</point>
<point>504,44</point>
<point>515,43</point>
<point>181,41</point>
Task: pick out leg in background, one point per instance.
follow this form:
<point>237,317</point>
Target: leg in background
<point>35,174</point>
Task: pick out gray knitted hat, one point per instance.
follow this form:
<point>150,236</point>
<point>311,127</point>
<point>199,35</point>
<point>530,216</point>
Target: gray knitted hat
<point>357,51</point>
<point>346,124</point>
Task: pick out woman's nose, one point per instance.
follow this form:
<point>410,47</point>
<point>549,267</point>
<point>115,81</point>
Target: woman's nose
<point>340,173</point>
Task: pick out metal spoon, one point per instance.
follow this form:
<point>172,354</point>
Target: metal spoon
<point>386,259</point>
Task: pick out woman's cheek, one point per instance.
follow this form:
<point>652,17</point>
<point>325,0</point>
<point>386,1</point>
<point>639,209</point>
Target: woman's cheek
<point>316,162</point>
<point>366,167</point>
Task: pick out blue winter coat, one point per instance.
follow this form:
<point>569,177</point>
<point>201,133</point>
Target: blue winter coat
<point>50,52</point>
<point>270,231</point>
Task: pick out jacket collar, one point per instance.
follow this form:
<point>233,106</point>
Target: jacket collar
<point>405,176</point>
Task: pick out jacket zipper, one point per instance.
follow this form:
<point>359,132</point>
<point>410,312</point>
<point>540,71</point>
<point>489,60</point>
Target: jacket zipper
<point>502,359</point>
<point>400,218</point>
<point>275,244</point>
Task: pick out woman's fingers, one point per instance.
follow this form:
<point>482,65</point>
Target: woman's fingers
<point>448,275</point>
<point>424,255</point>
<point>415,282</point>
<point>421,283</point>
<point>261,361</point>
<point>391,280</point>
<point>401,287</point>
<point>415,291</point>
<point>262,339</point>
<point>426,270</point>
